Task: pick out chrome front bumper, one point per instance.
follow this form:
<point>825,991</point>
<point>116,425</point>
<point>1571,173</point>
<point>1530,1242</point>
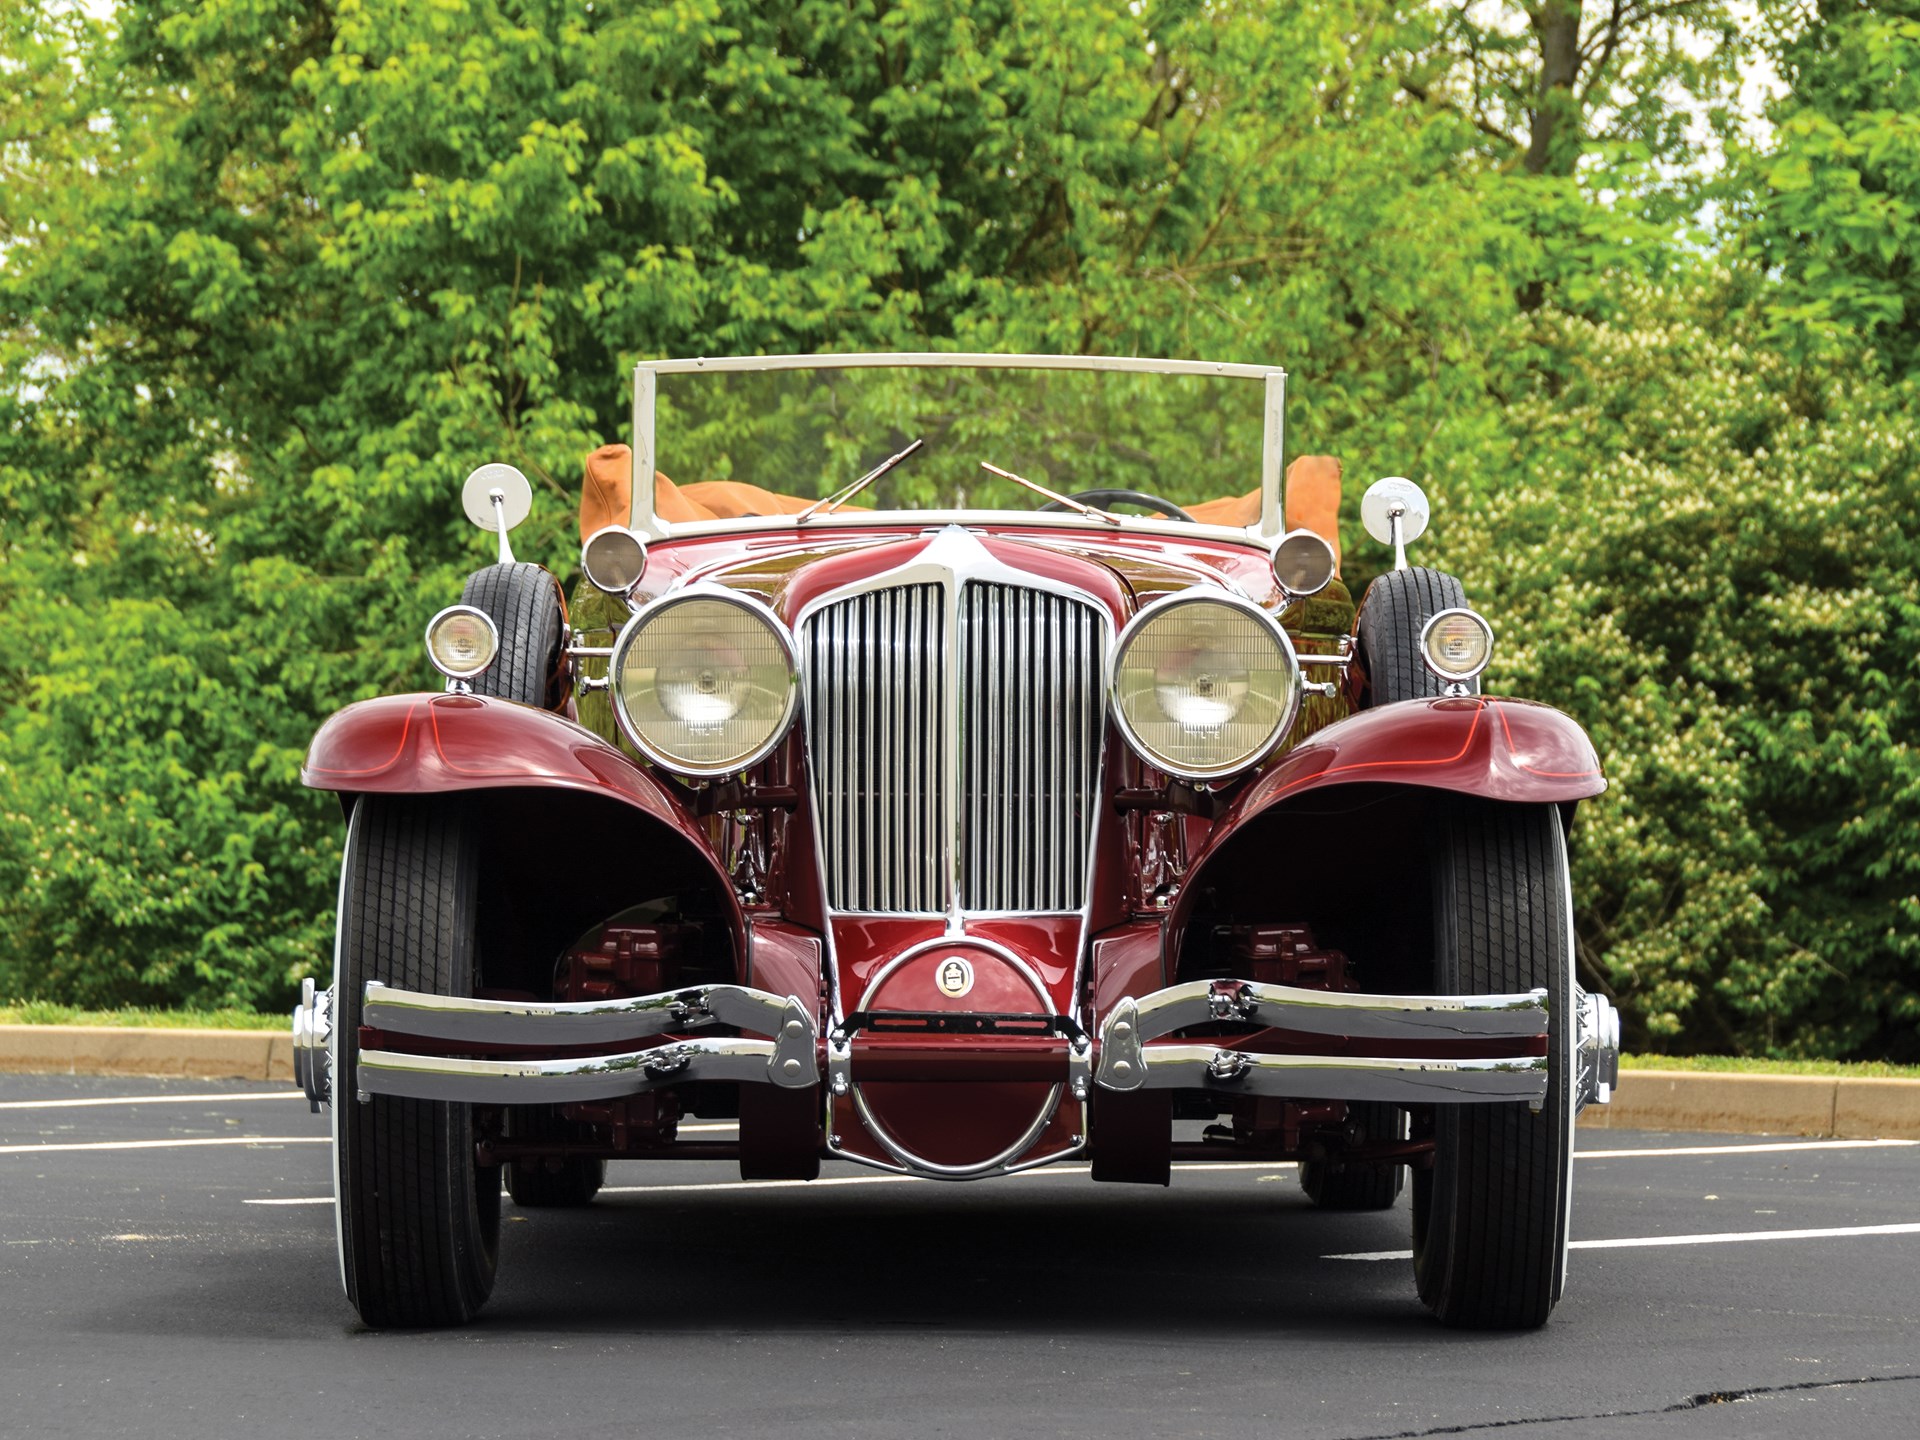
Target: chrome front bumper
<point>1516,1022</point>
<point>786,1059</point>
<point>1131,1053</point>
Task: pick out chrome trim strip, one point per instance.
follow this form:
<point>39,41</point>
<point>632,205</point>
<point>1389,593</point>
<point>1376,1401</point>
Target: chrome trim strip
<point>597,1077</point>
<point>1325,1077</point>
<point>1519,1016</point>
<point>933,1170</point>
<point>459,1020</point>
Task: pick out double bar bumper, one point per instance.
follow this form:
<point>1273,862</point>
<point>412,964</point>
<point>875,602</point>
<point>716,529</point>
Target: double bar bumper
<point>1509,1032</point>
<point>1519,1022</point>
<point>786,1059</point>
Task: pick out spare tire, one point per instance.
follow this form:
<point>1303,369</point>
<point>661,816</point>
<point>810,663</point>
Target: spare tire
<point>525,604</point>
<point>1396,609</point>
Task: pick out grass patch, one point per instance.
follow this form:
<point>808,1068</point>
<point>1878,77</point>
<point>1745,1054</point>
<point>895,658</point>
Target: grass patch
<point>1741,1065</point>
<point>43,1012</point>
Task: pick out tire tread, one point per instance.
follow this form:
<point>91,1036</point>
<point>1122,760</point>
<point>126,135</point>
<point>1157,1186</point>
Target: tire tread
<point>1396,608</point>
<point>525,604</point>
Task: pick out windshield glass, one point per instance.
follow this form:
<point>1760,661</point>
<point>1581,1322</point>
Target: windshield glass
<point>810,432</point>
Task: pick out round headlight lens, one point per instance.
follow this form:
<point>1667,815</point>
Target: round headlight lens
<point>1204,686</point>
<point>703,682</point>
<point>1456,645</point>
<point>462,641</point>
<point>614,558</point>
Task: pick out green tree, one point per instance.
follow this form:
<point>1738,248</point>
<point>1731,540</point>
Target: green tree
<point>1837,210</point>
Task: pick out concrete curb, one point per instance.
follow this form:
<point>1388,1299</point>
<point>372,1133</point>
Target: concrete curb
<point>1824,1105</point>
<point>127,1050</point>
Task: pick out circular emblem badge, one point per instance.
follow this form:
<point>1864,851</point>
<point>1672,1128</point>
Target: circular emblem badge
<point>955,977</point>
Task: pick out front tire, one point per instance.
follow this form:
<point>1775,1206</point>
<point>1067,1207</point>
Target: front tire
<point>419,1219</point>
<point>1490,1216</point>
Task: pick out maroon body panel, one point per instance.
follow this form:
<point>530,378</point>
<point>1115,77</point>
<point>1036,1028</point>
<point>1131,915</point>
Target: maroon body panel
<point>1497,749</point>
<point>790,569</point>
<point>426,744</point>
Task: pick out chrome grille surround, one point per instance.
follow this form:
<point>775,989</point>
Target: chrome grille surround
<point>955,722</point>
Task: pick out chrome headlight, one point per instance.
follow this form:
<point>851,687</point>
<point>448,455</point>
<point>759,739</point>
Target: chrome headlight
<point>703,682</point>
<point>1204,684</point>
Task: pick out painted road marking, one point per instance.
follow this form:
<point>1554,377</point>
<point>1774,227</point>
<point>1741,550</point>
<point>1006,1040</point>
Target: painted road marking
<point>1743,1149</point>
<point>148,1100</point>
<point>1270,1166</point>
<point>169,1144</point>
<point>1729,1237</point>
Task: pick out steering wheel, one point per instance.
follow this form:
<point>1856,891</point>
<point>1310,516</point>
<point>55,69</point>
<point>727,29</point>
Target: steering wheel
<point>1100,499</point>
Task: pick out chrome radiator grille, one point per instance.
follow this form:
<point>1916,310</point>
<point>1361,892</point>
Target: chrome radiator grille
<point>877,728</point>
<point>886,681</point>
<point>1030,695</point>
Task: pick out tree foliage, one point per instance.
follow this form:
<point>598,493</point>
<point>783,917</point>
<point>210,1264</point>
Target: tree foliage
<point>274,274</point>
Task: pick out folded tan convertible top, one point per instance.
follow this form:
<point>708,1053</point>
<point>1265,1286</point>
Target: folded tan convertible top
<point>1312,498</point>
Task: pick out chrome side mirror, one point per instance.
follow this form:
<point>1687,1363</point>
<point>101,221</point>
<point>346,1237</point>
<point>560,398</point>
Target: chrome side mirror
<point>497,497</point>
<point>1395,511</point>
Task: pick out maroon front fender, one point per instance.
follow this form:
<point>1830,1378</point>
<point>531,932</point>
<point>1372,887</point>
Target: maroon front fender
<point>1497,749</point>
<point>426,744</point>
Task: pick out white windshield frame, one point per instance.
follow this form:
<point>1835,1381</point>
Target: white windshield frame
<point>646,389</point>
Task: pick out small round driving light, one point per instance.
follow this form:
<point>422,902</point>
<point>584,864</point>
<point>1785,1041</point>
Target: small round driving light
<point>462,641</point>
<point>614,558</point>
<point>1456,645</point>
<point>1303,562</point>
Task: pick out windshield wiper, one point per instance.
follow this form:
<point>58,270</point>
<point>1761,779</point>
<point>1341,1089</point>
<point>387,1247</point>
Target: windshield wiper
<point>1039,489</point>
<point>840,497</point>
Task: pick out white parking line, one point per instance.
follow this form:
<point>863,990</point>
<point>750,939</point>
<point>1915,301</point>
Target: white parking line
<point>169,1144</point>
<point>148,1100</point>
<point>1742,1149</point>
<point>1726,1237</point>
<point>1271,1167</point>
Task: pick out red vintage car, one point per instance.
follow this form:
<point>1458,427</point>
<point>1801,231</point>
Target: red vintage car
<point>948,819</point>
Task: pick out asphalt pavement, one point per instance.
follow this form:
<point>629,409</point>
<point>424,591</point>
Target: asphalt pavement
<point>167,1268</point>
